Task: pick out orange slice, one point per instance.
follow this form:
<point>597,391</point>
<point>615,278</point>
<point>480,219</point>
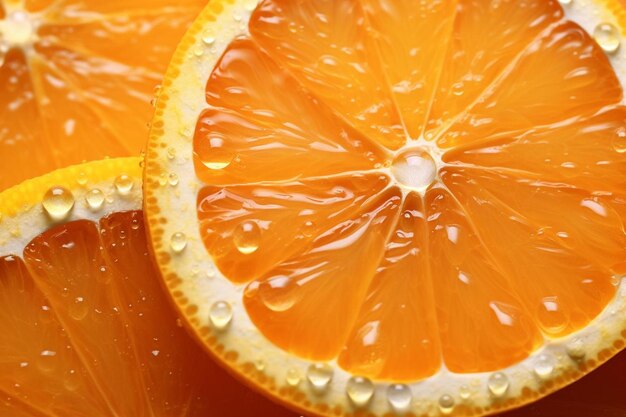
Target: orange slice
<point>86,327</point>
<point>408,207</point>
<point>77,78</point>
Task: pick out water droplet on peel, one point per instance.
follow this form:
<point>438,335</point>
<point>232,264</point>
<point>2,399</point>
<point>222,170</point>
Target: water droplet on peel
<point>247,237</point>
<point>498,384</point>
<point>319,376</point>
<point>162,179</point>
<point>79,308</point>
<point>218,156</point>
<point>221,314</point>
<point>399,397</point>
<point>58,202</point>
<point>171,153</point>
<point>465,392</point>
<point>607,36</point>
<point>293,377</point>
<point>259,364</point>
<point>208,37</point>
<point>360,390</point>
<point>446,404</point>
<point>199,51</point>
<point>575,349</point>
<point>123,184</point>
<point>134,224</point>
<point>173,179</point>
<point>94,199</point>
<point>178,242</point>
<point>544,366</point>
<point>81,179</point>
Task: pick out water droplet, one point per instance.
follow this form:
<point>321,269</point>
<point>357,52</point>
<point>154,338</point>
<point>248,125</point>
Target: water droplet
<point>414,168</point>
<point>218,156</point>
<point>45,314</point>
<point>208,38</point>
<point>551,316</point>
<point>498,384</point>
<point>465,392</point>
<point>221,314</point>
<point>71,381</point>
<point>134,224</point>
<point>319,376</point>
<point>247,237</point>
<point>619,140</point>
<point>94,199</point>
<point>198,51</point>
<point>607,36</point>
<point>360,390</point>
<point>171,153</point>
<point>458,89</point>
<point>46,362</point>
<point>58,202</point>
<point>259,364</point>
<point>399,397</point>
<point>544,366</point>
<point>446,404</point>
<point>308,228</point>
<point>293,377</point>
<point>162,179</point>
<point>566,2</point>
<point>575,348</point>
<point>81,179</point>
<point>173,179</point>
<point>123,184</point>
<point>178,242</point>
<point>78,309</point>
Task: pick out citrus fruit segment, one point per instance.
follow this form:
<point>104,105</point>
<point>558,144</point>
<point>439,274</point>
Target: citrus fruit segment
<point>86,328</point>
<point>77,77</point>
<point>364,230</point>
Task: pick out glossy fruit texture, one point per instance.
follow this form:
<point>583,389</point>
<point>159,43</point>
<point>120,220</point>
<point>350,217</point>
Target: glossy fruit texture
<point>77,78</point>
<point>86,330</point>
<point>517,238</point>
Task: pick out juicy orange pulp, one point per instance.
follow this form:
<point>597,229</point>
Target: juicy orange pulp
<point>519,238</point>
<point>78,77</point>
<point>87,331</point>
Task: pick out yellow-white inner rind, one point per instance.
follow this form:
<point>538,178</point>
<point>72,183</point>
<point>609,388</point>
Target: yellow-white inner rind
<point>22,216</point>
<point>203,285</point>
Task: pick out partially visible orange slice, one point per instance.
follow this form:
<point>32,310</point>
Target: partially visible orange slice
<point>77,78</point>
<point>408,206</point>
<point>86,328</point>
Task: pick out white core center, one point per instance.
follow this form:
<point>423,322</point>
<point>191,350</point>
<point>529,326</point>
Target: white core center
<point>414,168</point>
<point>17,30</point>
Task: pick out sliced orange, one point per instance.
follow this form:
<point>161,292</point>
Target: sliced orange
<point>77,78</point>
<point>86,327</point>
<point>407,206</point>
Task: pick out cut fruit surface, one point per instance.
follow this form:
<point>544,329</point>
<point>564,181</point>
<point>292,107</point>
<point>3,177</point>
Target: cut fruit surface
<point>442,235</point>
<point>86,327</point>
<point>77,78</point>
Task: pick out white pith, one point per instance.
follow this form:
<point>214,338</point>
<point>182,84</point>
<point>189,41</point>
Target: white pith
<point>16,231</point>
<point>203,285</point>
<point>18,29</point>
